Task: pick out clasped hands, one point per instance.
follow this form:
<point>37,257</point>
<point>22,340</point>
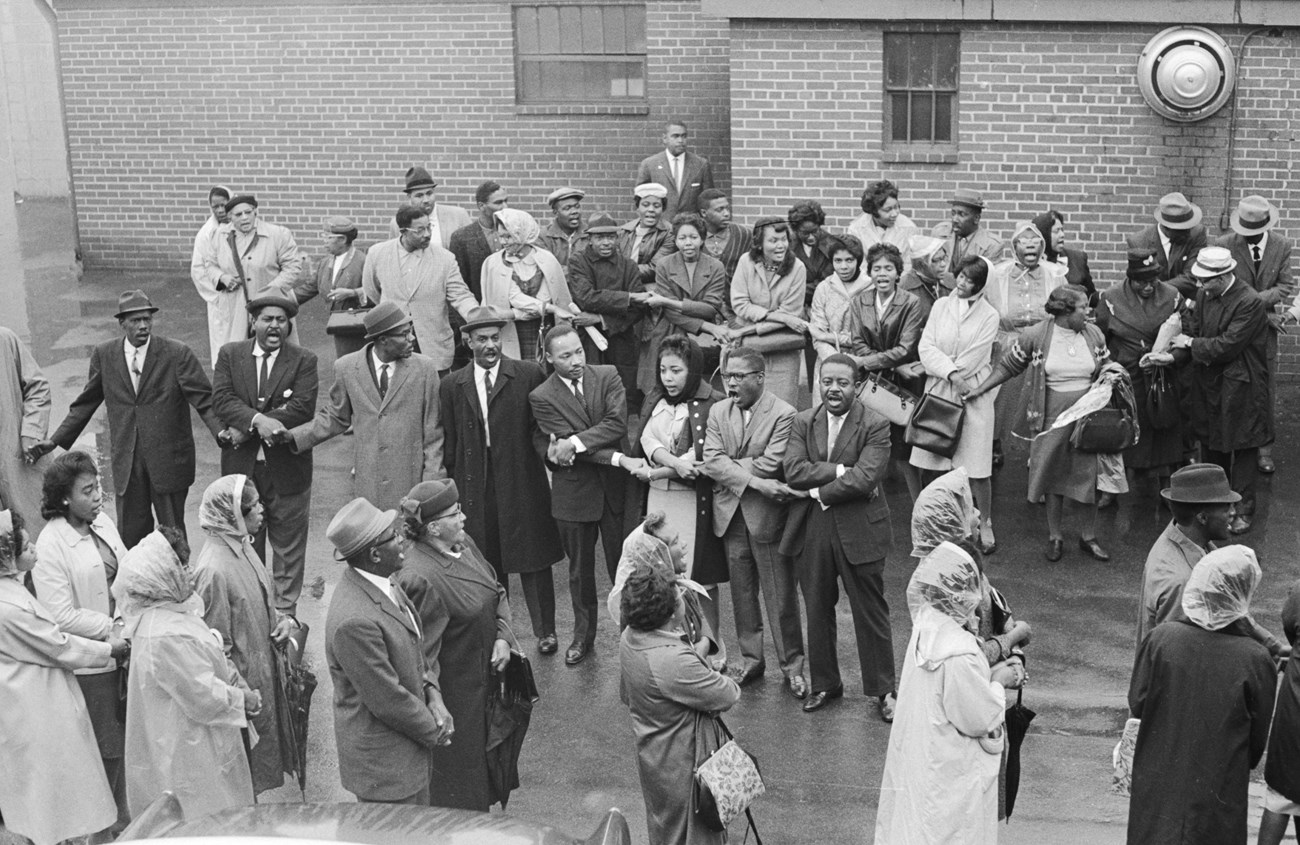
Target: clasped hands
<point>561,452</point>
<point>272,432</point>
<point>441,716</point>
<point>776,490</point>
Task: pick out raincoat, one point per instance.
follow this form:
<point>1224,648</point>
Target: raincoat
<point>184,713</point>
<point>25,396</point>
<point>945,748</point>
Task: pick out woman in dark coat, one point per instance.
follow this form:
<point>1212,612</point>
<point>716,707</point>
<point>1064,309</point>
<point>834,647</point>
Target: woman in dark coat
<point>1203,689</point>
<point>1282,769</point>
<point>1075,261</point>
<point>466,633</point>
<point>1130,316</point>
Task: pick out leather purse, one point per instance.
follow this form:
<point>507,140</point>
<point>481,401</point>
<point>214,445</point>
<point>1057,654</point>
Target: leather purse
<point>887,399</point>
<point>782,340</point>
<point>1107,431</point>
<point>348,323</point>
<point>936,425</point>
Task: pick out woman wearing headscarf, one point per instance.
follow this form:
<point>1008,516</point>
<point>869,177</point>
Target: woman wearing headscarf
<point>1203,688</point>
<point>767,294</point>
<point>186,710</point>
<point>526,280</point>
<point>676,416</point>
<point>1062,356</point>
<point>927,277</point>
<point>1051,225</point>
<point>1130,316</point>
<point>956,349</point>
<point>672,694</point>
<point>77,556</point>
<point>465,631</point>
<point>53,786</point>
<point>945,748</point>
<point>239,603</point>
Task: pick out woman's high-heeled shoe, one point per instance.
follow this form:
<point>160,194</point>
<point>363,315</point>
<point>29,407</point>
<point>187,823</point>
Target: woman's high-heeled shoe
<point>988,543</point>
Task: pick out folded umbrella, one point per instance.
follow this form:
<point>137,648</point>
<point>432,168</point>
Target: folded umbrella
<point>1018,718</point>
<point>297,683</point>
<point>509,710</point>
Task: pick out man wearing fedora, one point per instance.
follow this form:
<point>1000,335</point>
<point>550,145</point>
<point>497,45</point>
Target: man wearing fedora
<point>1225,339</point>
<point>565,235</point>
<point>388,709</point>
<point>422,192</point>
<point>1263,259</point>
<point>338,277</point>
<point>963,232</point>
<point>388,394</point>
<point>417,273</point>
<point>1176,237</point>
<point>259,388</point>
<point>489,451</point>
<point>1203,504</point>
<point>148,384</point>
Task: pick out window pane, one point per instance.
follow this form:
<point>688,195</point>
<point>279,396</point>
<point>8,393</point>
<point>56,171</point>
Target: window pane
<point>531,80</point>
<point>570,29</point>
<point>899,117</point>
<point>548,29</point>
<point>921,64</point>
<point>615,38</point>
<point>922,110</point>
<point>526,30</point>
<point>562,80</point>
<point>634,18</point>
<point>636,80</point>
<point>895,60</point>
<point>947,55</point>
<point>944,105</point>
<point>593,31</point>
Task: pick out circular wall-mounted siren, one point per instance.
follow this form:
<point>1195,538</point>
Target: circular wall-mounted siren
<point>1186,73</point>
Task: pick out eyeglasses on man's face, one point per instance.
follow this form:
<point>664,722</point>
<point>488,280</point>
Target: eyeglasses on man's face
<point>739,376</point>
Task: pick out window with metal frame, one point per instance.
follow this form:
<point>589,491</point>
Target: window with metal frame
<point>580,53</point>
<point>921,74</point>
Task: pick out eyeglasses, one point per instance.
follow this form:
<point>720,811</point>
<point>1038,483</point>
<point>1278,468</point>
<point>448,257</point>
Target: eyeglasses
<point>390,538</point>
<point>425,230</point>
<point>739,376</point>
<point>451,514</point>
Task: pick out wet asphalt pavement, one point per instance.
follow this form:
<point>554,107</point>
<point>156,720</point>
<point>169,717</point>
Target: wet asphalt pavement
<point>822,770</point>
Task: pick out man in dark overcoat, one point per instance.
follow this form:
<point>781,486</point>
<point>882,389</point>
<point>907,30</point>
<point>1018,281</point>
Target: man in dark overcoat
<point>1226,340</point>
<point>1176,238</point>
<point>489,433</point>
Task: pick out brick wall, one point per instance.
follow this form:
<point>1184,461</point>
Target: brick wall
<point>319,108</point>
<point>1049,116</point>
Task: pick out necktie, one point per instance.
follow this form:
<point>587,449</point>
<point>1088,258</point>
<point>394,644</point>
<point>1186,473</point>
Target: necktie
<point>135,370</point>
<point>832,433</point>
<point>262,374</point>
<point>677,172</point>
<point>1256,254</point>
<point>577,389</point>
<point>487,397</point>
<point>383,379</point>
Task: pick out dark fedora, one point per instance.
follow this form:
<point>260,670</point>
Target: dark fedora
<point>384,318</point>
<point>1142,265</point>
<point>484,317</point>
<point>1201,484</point>
<point>601,223</point>
<point>273,299</point>
<point>131,301</point>
<point>417,177</point>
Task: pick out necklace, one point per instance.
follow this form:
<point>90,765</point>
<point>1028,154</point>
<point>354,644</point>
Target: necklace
<point>1072,350</point>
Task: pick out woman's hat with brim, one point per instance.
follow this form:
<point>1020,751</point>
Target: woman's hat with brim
<point>482,317</point>
<point>357,526</point>
<point>1201,484</point>
<point>650,189</point>
<point>1142,265</point>
<point>384,318</point>
<point>1254,215</point>
<point>132,301</point>
<point>1212,262</point>
<point>241,199</point>
<point>1178,212</point>
<point>430,498</point>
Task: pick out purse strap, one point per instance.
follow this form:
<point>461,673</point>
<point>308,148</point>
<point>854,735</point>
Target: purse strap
<point>234,253</point>
<point>749,815</point>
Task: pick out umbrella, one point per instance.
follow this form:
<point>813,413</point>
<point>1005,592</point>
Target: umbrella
<point>509,710</point>
<point>297,683</point>
<point>1018,718</point>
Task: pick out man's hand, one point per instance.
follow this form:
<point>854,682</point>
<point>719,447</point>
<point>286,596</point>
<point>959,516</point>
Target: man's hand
<point>583,319</point>
<point>561,452</point>
<point>655,300</point>
<point>36,450</point>
<point>686,469</point>
<point>283,629</point>
<point>500,655</point>
<point>640,298</point>
<point>229,283</point>
<point>1181,341</point>
<point>441,716</point>
<point>118,647</point>
<point>282,437</point>
<point>252,702</point>
<point>267,428</point>
<point>773,489</point>
<point>340,294</point>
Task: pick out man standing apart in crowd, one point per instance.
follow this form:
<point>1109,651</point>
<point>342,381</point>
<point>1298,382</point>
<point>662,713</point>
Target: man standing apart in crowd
<point>388,710</point>
<point>1177,238</point>
<point>422,193</point>
<point>565,236</point>
<point>838,452</point>
<point>1264,262</point>
<point>206,275</point>
<point>474,242</point>
<point>581,413</point>
<point>1226,339</point>
<point>489,452</point>
<point>1202,502</point>
<point>338,274</point>
<point>24,423</point>
<point>148,383</point>
<point>746,440</point>
<point>682,173</point>
<point>260,387</point>
<point>964,234</point>
<point>420,276</point>
<point>389,396</point>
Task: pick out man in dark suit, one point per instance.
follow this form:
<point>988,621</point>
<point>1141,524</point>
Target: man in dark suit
<point>581,413</point>
<point>489,433</point>
<point>338,274</point>
<point>838,452</point>
<point>388,709</point>
<point>743,447</point>
<point>1264,262</point>
<point>1176,238</point>
<point>472,244</point>
<point>683,173</point>
<point>260,387</point>
<point>148,384</point>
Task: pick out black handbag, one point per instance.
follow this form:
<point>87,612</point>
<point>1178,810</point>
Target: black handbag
<point>1162,400</point>
<point>347,323</point>
<point>1107,431</point>
<point>936,425</point>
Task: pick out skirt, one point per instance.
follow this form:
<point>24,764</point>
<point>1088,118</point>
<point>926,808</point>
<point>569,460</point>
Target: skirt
<point>679,504</point>
<point>102,692</point>
<point>1055,467</point>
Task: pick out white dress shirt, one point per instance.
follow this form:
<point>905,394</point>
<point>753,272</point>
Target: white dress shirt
<point>480,387</point>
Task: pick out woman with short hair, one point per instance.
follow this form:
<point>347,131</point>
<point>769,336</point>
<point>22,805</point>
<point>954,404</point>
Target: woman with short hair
<point>882,219</point>
<point>767,294</point>
<point>830,318</point>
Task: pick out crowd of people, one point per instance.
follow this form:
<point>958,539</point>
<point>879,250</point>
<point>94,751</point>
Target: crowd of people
<point>515,394</point>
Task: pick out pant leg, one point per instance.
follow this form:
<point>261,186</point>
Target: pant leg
<point>491,545</point>
<point>579,542</point>
<point>539,595</point>
<point>1243,473</point>
<point>135,506</point>
<point>781,599</point>
<point>286,524</point>
<point>744,592</point>
<point>169,508</point>
<point>865,585</point>
<point>817,579</point>
<point>624,352</point>
<point>612,531</point>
